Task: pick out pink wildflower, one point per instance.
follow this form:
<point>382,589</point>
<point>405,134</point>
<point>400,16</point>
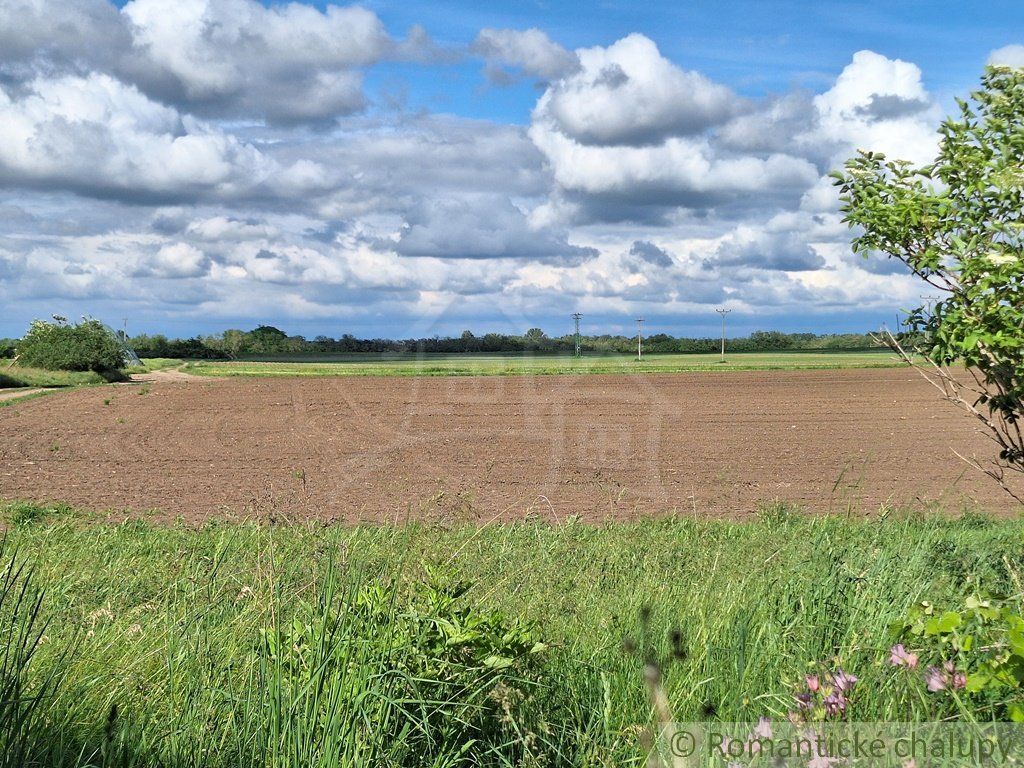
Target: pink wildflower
<point>763,729</point>
<point>835,703</point>
<point>942,679</point>
<point>813,684</point>
<point>935,680</point>
<point>843,681</point>
<point>901,657</point>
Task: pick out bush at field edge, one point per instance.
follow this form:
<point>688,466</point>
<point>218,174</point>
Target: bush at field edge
<point>63,346</point>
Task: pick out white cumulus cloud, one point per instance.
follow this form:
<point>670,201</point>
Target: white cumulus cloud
<point>287,64</point>
<point>530,50</point>
<point>1007,56</point>
<point>629,94</point>
<point>880,104</point>
<point>176,260</point>
<point>292,62</point>
<point>98,135</point>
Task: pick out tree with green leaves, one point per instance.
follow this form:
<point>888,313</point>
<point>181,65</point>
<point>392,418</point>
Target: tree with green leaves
<point>958,224</point>
<point>64,346</point>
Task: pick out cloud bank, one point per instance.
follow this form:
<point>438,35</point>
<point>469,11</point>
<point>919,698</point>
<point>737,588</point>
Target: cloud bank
<point>228,162</point>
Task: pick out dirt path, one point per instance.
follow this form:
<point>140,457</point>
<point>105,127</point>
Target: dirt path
<point>150,377</point>
<point>13,394</point>
<point>710,444</point>
<point>168,375</point>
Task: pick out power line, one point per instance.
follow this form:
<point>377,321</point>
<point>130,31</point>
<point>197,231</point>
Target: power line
<point>723,313</point>
<point>576,335</point>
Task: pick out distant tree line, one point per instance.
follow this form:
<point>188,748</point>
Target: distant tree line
<point>270,341</point>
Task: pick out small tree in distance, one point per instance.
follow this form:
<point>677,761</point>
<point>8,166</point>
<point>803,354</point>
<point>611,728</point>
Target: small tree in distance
<point>959,225</point>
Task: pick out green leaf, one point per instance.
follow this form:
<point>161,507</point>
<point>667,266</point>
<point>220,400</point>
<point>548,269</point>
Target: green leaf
<point>977,681</point>
<point>497,662</point>
<point>949,621</point>
<point>942,625</point>
<point>1015,637</point>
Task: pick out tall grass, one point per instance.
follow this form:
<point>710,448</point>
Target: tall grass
<point>21,376</point>
<point>23,691</point>
<point>243,645</point>
<point>17,376</point>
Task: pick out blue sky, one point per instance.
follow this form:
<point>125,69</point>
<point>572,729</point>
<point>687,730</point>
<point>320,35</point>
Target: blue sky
<point>756,47</point>
<point>414,168</point>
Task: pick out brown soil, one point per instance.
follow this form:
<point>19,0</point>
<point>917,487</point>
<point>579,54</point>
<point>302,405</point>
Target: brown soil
<point>596,446</point>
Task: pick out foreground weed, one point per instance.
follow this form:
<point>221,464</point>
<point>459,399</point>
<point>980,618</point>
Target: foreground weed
<point>22,514</point>
<point>369,675</point>
<point>22,630</point>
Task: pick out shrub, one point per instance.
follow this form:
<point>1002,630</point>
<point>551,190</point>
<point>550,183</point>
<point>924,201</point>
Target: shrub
<point>978,650</point>
<point>957,225</point>
<point>63,346</point>
<point>387,678</point>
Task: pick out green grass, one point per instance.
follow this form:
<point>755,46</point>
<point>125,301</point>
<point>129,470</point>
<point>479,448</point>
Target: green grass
<point>17,376</point>
<point>160,635</point>
<point>496,365</point>
<point>157,364</point>
<point>21,395</point>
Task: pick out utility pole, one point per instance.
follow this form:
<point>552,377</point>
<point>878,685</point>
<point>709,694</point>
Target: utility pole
<point>639,338</point>
<point>723,313</point>
<point>576,335</point>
